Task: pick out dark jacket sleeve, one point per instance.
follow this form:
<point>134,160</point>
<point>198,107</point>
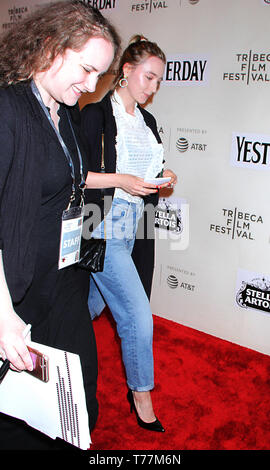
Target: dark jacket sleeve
<point>6,147</point>
<point>91,129</point>
<point>97,118</point>
<point>20,186</point>
<point>92,121</point>
<point>144,247</point>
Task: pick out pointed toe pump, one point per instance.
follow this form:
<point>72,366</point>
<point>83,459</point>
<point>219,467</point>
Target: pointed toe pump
<point>153,426</point>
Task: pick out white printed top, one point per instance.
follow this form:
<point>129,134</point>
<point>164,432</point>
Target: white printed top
<point>138,152</point>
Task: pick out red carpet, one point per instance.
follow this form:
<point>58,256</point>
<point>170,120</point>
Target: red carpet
<point>209,395</point>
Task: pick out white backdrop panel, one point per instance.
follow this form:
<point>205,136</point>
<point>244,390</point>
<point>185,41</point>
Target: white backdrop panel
<point>213,117</point>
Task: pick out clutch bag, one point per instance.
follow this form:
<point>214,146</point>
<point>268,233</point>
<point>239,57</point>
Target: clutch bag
<point>92,255</point>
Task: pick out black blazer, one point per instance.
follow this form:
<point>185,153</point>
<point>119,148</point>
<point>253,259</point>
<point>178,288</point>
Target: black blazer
<point>23,148</point>
<point>95,119</point>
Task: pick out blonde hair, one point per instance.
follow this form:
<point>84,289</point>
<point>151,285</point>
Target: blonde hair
<point>138,49</point>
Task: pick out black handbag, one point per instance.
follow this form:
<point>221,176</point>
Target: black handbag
<point>92,253</point>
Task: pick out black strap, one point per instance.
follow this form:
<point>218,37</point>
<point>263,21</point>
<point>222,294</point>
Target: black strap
<point>64,147</point>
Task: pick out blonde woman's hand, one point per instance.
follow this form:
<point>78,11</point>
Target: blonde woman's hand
<point>135,186</point>
<point>172,182</point>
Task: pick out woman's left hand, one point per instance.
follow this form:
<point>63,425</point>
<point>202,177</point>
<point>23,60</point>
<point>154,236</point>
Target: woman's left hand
<point>172,182</point>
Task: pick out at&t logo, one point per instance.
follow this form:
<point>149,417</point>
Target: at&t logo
<point>172,281</point>
<point>182,145</point>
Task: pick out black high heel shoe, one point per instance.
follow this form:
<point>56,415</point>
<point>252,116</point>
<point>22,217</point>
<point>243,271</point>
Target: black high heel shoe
<point>154,426</point>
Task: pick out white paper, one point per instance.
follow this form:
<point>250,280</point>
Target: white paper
<point>157,180</point>
<point>56,408</point>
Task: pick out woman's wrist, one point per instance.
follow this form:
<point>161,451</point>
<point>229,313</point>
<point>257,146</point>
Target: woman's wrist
<point>118,180</point>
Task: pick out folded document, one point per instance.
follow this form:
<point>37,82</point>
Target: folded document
<point>57,408</point>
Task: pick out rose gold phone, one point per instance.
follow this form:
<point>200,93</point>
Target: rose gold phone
<point>40,365</point>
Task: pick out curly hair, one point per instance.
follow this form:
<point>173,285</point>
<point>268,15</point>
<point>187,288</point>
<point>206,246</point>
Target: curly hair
<point>33,44</point>
<point>138,49</point>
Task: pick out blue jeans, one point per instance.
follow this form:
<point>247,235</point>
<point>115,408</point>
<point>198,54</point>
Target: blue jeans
<point>119,286</point>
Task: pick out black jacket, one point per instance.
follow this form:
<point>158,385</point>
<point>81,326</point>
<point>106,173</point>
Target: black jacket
<point>95,119</point>
<point>23,148</point>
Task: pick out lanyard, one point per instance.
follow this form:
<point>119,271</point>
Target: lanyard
<point>64,147</point>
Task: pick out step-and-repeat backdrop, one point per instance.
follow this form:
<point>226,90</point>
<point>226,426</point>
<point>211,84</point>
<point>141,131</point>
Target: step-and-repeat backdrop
<point>212,269</point>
